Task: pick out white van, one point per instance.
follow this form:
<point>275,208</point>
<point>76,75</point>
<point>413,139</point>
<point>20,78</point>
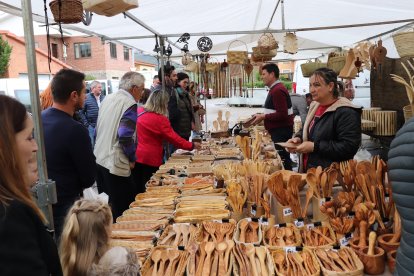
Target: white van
<point>19,89</point>
<point>109,86</point>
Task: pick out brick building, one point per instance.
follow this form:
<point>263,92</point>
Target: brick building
<point>18,65</point>
<point>90,55</point>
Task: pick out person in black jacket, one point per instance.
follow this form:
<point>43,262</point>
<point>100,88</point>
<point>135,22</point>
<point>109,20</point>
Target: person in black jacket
<point>69,155</point>
<point>332,130</point>
<point>401,175</point>
<point>26,248</point>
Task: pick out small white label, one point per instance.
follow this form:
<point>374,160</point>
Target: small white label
<point>350,216</point>
<point>310,226</point>
<point>322,201</point>
<point>265,223</point>
<point>290,249</point>
<point>287,212</point>
<point>249,219</point>
<point>217,220</point>
<point>387,199</point>
<point>299,224</point>
<point>345,240</point>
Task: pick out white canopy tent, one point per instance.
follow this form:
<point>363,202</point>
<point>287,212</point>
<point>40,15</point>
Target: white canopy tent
<point>315,23</point>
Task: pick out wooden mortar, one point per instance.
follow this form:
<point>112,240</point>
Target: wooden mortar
<point>373,264</point>
<point>384,241</point>
<point>391,255</point>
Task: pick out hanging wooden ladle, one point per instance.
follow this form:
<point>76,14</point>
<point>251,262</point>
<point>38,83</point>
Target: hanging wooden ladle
<point>248,68</point>
<point>380,53</point>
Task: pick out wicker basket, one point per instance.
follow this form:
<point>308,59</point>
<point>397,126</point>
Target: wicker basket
<point>408,112</point>
<point>404,43</point>
<point>267,42</point>
<point>310,67</point>
<point>358,272</point>
<point>67,11</point>
<point>336,63</point>
<point>314,261</point>
<point>296,233</point>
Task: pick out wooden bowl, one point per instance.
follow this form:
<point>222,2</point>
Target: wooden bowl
<point>381,231</point>
<point>374,264</point>
<point>391,255</point>
<point>383,242</point>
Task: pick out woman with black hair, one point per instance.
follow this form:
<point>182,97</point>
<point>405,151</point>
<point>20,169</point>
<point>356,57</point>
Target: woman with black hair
<point>332,130</point>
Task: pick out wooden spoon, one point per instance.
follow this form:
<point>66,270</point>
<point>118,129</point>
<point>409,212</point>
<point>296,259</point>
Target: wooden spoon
<point>185,231</point>
<point>334,256</point>
<point>164,259</point>
<point>254,227</point>
<point>261,254</point>
<point>324,179</point>
<point>192,249</point>
<point>362,234</point>
<point>230,245</point>
<point>171,233</point>
<point>309,194</point>
<point>332,176</point>
<point>210,246</point>
<point>200,266</point>
<point>221,248</point>
<point>312,180</point>
<point>243,226</point>
<point>346,259</point>
<point>279,260</point>
<point>172,256</point>
<point>155,257</point>
<point>216,125</point>
<point>250,252</point>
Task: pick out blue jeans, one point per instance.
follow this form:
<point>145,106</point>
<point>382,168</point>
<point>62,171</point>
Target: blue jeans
<point>91,131</point>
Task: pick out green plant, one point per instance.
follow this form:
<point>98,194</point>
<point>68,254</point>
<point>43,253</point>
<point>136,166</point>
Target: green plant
<point>89,77</point>
<point>5,51</point>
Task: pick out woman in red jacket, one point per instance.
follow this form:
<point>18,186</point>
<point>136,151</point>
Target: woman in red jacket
<point>153,128</point>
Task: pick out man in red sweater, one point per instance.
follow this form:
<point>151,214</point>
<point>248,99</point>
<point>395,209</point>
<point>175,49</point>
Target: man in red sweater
<point>278,114</point>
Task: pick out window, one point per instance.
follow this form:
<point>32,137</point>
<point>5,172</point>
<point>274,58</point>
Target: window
<point>55,50</point>
<point>23,96</point>
<point>126,53</point>
<point>82,50</point>
<point>112,48</point>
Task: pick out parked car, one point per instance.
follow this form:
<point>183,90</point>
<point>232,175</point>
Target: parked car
<point>19,89</point>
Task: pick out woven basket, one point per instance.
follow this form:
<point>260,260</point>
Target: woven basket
<point>408,112</point>
<point>237,57</point>
<point>404,43</point>
<point>298,239</point>
<point>314,261</point>
<point>310,67</point>
<point>267,42</point>
<point>358,272</point>
<point>336,63</point>
<point>68,11</point>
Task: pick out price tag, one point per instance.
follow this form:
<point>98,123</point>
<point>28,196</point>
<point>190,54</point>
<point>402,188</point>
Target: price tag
<point>351,215</point>
<point>322,201</point>
<point>299,223</point>
<point>310,226</point>
<point>290,249</point>
<point>345,240</point>
<point>249,219</point>
<point>280,225</point>
<point>387,199</point>
<point>287,212</point>
<point>217,220</point>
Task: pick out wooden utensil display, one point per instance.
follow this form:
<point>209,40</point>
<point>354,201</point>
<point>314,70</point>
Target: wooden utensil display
<point>252,260</point>
<point>339,261</point>
<point>291,263</point>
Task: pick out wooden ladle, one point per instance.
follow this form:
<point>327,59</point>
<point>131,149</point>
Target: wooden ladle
<point>261,254</point>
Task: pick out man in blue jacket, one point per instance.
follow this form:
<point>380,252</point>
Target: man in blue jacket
<point>89,113</point>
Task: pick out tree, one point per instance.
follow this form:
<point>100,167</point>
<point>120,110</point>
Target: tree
<point>5,51</point>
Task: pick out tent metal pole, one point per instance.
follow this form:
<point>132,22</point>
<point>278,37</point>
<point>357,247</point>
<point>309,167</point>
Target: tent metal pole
<point>282,7</point>
<point>44,190</point>
<point>279,30</point>
<point>273,14</point>
<point>388,32</point>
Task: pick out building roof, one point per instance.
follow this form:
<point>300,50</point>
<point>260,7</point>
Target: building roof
<point>43,53</point>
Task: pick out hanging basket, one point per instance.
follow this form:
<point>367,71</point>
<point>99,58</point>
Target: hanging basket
<point>109,7</point>
<point>268,42</point>
<point>237,57</point>
<point>257,53</point>
<point>290,44</point>
<point>310,67</point>
<point>67,11</point>
<point>404,43</point>
<point>192,66</point>
<point>336,62</point>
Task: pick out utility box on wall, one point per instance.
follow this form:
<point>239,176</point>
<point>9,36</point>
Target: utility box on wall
<point>386,93</point>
